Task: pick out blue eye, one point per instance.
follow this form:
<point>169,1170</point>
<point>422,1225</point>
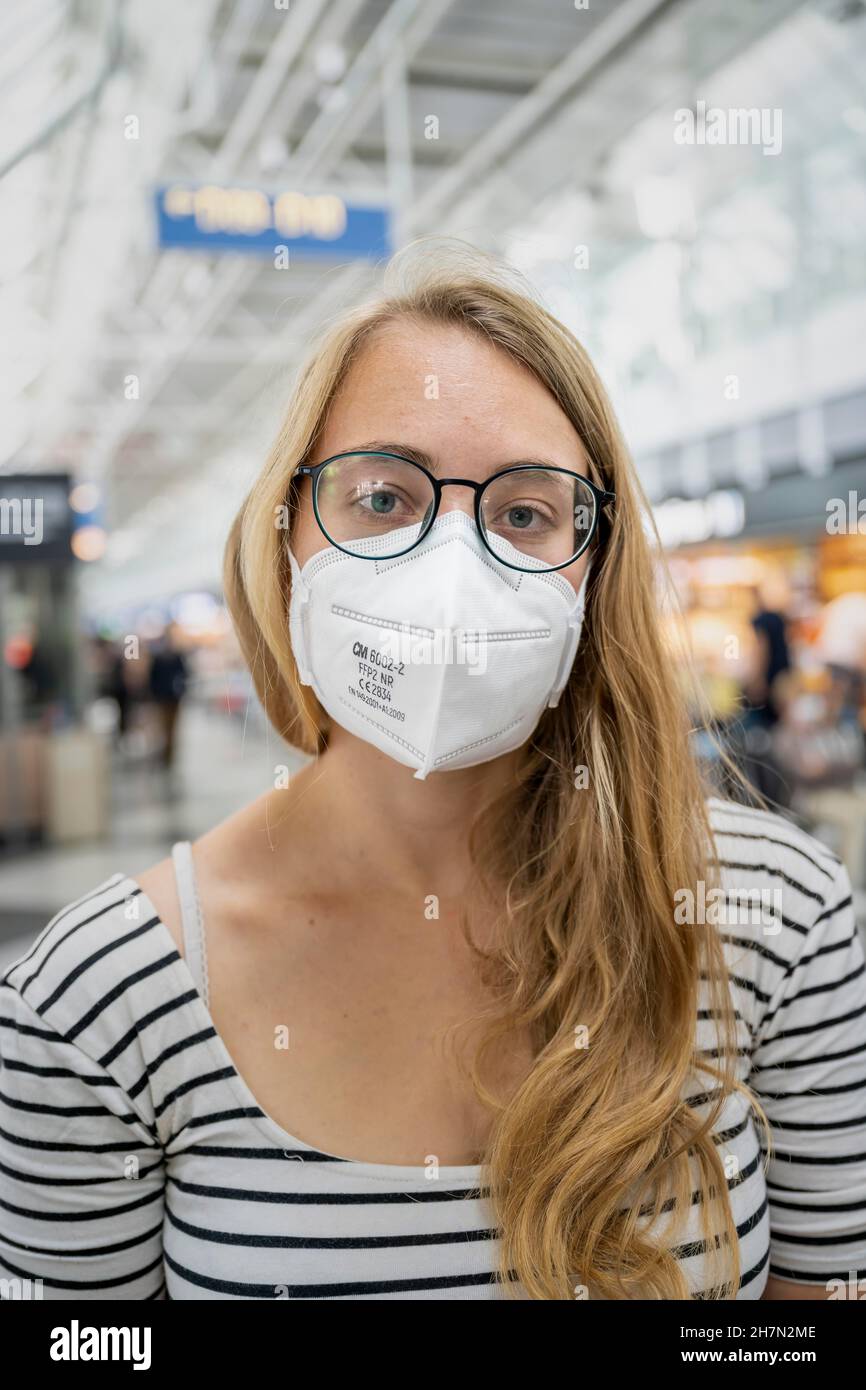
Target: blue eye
<point>381,502</point>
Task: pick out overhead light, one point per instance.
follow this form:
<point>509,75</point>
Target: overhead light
<point>84,497</point>
<point>688,521</point>
<point>88,543</point>
<point>330,61</point>
<point>273,153</point>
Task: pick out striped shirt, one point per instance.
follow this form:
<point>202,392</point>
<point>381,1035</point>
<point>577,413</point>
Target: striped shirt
<point>135,1162</point>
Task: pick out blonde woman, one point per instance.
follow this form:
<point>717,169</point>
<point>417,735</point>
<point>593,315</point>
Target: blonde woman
<point>493,999</point>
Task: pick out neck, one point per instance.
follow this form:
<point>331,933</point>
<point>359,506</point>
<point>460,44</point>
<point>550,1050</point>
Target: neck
<point>396,831</point>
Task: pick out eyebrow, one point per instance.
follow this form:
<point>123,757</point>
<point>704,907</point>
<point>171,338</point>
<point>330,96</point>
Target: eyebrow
<point>426,460</point>
<point>406,451</point>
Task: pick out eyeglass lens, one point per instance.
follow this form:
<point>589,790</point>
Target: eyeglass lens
<point>545,515</point>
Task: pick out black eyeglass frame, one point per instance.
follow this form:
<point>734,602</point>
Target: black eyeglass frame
<point>601,498</point>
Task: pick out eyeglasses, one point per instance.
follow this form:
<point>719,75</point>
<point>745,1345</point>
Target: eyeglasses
<point>379,505</point>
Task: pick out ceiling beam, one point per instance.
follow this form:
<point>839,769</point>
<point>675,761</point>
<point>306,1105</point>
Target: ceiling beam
<point>318,152</point>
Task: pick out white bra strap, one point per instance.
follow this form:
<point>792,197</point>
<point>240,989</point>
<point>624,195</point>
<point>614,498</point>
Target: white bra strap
<point>190,916</point>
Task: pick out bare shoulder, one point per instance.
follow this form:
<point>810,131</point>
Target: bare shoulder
<point>231,862</point>
<point>158,885</point>
<point>216,858</point>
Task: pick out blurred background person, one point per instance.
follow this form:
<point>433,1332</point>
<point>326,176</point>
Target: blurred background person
<point>167,686</point>
<point>772,660</point>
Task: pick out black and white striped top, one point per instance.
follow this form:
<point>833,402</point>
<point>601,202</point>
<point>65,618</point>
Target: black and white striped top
<point>135,1162</point>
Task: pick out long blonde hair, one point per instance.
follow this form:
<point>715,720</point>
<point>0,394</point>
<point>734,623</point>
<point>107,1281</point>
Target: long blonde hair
<point>593,1160</point>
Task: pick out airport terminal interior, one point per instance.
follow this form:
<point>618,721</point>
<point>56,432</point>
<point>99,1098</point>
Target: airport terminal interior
<point>189,192</point>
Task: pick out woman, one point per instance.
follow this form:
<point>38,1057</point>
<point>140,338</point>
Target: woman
<point>490,999</point>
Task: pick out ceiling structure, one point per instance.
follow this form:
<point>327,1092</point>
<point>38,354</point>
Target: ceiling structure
<point>160,374</point>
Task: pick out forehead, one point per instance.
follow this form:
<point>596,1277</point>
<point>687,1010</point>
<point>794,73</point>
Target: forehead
<point>444,387</point>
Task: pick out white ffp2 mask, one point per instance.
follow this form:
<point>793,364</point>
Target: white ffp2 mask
<point>441,657</point>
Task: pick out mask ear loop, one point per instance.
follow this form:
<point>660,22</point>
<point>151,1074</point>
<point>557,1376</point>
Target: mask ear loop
<point>298,609</point>
<point>575,627</point>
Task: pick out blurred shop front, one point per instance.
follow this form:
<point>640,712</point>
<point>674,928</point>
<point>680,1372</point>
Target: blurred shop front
<point>76,694</point>
<point>771,584</point>
<point>53,778</point>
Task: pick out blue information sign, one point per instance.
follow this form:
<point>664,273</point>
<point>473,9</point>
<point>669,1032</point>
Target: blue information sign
<point>213,218</point>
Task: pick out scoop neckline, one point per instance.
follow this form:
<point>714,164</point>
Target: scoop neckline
<point>357,1166</point>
